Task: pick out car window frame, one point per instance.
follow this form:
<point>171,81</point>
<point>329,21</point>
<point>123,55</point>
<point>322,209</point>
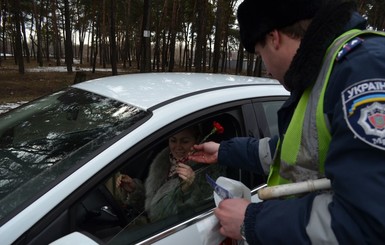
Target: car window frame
<point>262,121</point>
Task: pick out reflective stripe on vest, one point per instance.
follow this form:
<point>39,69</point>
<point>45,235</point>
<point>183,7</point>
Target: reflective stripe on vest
<point>302,153</point>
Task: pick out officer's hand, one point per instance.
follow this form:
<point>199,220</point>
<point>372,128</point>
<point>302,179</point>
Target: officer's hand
<point>231,213</point>
<point>205,153</point>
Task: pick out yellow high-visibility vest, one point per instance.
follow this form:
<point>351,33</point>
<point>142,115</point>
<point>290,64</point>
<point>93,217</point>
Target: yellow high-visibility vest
<point>301,154</point>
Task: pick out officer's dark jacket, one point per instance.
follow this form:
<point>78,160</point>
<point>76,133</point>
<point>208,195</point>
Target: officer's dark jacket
<point>355,165</point>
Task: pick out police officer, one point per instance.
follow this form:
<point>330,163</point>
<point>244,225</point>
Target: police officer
<point>333,126</point>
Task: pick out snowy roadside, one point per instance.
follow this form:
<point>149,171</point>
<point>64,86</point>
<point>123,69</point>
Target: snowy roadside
<point>8,106</point>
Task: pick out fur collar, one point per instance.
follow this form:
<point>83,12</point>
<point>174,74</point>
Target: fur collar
<point>330,22</point>
<point>159,171</point>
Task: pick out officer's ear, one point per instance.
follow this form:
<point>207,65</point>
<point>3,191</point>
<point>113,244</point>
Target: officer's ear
<point>274,39</point>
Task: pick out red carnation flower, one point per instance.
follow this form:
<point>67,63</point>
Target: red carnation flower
<point>217,128</point>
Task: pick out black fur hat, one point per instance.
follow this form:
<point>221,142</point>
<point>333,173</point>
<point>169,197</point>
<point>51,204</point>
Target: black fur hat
<point>258,17</point>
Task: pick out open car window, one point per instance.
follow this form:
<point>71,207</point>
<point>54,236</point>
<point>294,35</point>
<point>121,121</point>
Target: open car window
<point>113,214</point>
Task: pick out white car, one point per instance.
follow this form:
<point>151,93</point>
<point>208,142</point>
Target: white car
<point>58,152</point>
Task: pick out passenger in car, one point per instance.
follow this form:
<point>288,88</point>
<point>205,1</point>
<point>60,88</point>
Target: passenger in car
<point>174,184</point>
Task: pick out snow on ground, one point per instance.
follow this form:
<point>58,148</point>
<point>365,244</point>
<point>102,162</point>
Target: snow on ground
<point>8,106</point>
<point>47,69</point>
<point>64,69</point>
<point>6,54</point>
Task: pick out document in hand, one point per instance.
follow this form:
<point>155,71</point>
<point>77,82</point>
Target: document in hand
<point>225,188</point>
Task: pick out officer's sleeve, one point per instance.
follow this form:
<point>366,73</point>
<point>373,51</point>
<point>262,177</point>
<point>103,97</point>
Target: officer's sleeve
<point>248,153</point>
<point>356,157</point>
<point>304,220</point>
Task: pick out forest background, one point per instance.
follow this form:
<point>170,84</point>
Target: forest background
<point>95,38</point>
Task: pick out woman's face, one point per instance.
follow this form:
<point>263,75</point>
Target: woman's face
<point>180,143</point>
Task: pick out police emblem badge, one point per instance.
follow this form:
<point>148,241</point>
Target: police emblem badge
<point>364,111</point>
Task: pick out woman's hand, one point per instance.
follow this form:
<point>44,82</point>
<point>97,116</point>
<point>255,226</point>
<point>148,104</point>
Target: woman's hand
<point>125,182</point>
<point>187,175</point>
<point>205,153</point>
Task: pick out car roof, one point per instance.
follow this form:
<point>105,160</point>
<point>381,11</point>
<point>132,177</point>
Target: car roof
<point>146,90</point>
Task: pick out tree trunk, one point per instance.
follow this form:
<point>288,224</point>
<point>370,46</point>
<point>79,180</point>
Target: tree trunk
<point>68,39</point>
<point>218,35</point>
<point>174,20</point>
<point>103,41</point>
<point>1,11</point>
<point>56,38</point>
<point>95,46</point>
<point>166,28</point>
<point>186,52</point>
<point>250,63</point>
<point>201,35</point>
<point>258,66</point>
<point>156,61</point>
<point>82,20</point>
<point>38,20</point>
<point>146,41</point>
<point>44,6</point>
<point>25,44</point>
<point>18,46</point>
<point>240,57</point>
<point>4,18</point>
<point>126,49</point>
<point>113,38</point>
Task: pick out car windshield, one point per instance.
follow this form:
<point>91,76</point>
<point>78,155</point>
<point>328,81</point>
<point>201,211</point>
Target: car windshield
<point>41,141</point>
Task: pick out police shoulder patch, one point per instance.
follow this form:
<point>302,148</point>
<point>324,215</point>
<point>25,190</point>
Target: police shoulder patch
<point>348,47</point>
<point>364,111</point>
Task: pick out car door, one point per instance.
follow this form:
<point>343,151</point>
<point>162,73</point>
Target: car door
<point>138,229</point>
<point>197,227</point>
<point>96,213</point>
